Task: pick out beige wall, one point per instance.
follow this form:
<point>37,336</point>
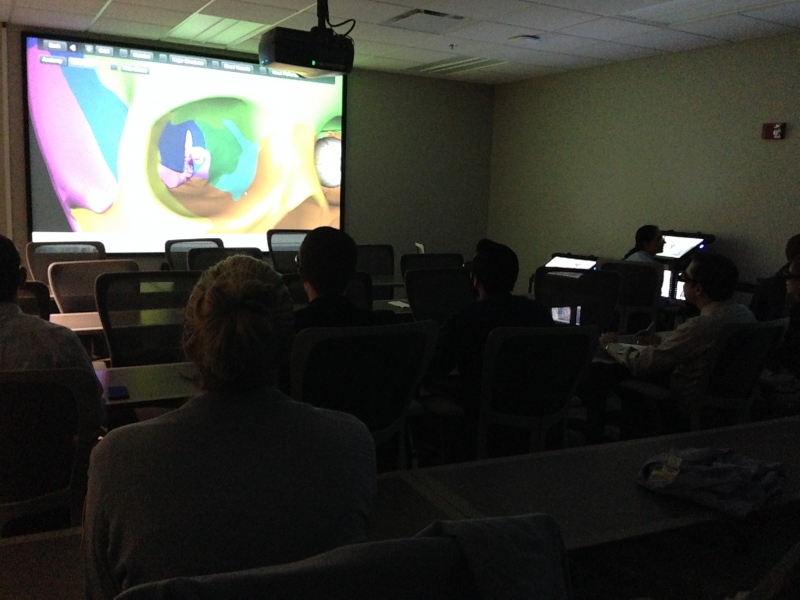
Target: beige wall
<point>418,161</point>
<point>580,160</point>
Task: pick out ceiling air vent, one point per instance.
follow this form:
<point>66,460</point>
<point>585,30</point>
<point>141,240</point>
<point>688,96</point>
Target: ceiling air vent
<point>427,21</point>
<point>457,64</point>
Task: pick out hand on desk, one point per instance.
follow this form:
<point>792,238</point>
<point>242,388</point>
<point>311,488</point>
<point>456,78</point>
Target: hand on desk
<point>609,337</point>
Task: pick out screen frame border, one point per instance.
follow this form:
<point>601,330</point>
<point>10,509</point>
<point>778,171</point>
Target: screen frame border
<point>25,31</point>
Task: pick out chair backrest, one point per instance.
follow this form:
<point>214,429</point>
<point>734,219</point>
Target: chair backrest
<point>177,251</point>
<point>40,255</point>
<point>359,290</point>
<point>370,372</point>
<point>430,261</point>
<point>284,244</point>
<point>142,315</point>
<point>521,556</point>
<point>529,376</point>
<point>33,298</point>
<point>72,283</point>
<point>48,420</point>
<point>639,292</point>
<point>595,292</point>
<point>438,293</point>
<point>294,284</point>
<point>554,287</point>
<point>200,259</point>
<point>378,261</point>
<point>739,355</point>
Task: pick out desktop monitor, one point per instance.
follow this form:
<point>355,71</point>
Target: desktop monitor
<point>666,284</point>
<point>570,262</point>
<point>678,245</point>
<point>284,244</point>
<point>679,293</point>
<point>564,315</point>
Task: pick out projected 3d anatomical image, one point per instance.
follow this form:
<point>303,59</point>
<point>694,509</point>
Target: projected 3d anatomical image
<point>143,146</point>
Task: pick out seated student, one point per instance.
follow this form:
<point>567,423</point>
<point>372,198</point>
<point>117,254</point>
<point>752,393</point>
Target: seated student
<point>789,349</point>
<point>326,264</point>
<point>26,341</point>
<point>770,298</point>
<point>494,273</point>
<point>649,242</point>
<point>683,355</point>
<point>462,338</point>
<point>241,476</point>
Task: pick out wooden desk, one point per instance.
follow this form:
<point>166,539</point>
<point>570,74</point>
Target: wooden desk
<point>84,323</point>
<point>88,323</point>
<point>592,491</point>
<point>150,385</point>
<point>394,281</point>
<point>45,566</point>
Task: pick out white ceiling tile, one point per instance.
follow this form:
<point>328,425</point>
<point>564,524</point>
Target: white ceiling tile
<point>557,42</point>
<point>293,5</point>
<point>189,5</point>
<point>49,18</point>
<point>245,11</point>
<point>302,20</point>
<point>85,7</point>
<point>734,27</point>
<point>419,55</point>
<point>128,29</point>
<point>145,14</point>
<point>524,56</point>
<point>477,9</point>
<point>539,16</point>
<point>382,63</point>
<point>607,29</point>
<point>684,11</point>
<point>390,35</point>
<point>558,60</point>
<point>370,48</point>
<point>497,33</point>
<point>363,11</point>
<point>444,43</point>
<point>611,51</point>
<point>670,40</point>
<point>607,8</point>
<point>786,14</point>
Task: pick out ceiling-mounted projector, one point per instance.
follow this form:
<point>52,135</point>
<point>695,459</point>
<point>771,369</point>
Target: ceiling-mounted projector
<point>309,54</point>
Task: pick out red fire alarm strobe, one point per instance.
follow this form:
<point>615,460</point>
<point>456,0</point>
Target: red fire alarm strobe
<point>773,131</point>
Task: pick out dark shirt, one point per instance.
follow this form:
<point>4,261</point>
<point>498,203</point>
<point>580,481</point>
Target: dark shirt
<point>769,299</point>
<point>789,349</point>
<point>463,336</point>
<point>338,311</point>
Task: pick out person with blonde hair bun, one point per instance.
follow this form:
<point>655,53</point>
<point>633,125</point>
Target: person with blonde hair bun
<point>239,477</point>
